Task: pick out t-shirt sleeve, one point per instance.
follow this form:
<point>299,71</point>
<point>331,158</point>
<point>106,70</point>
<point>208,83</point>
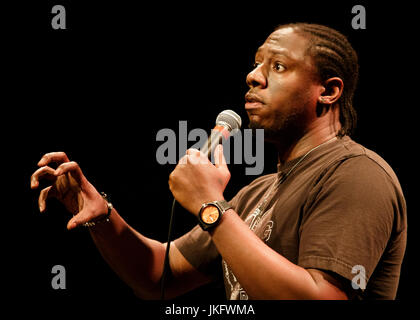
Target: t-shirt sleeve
<point>197,247</point>
<point>348,219</point>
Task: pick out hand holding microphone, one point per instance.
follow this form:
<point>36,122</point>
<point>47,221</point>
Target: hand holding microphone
<point>195,180</point>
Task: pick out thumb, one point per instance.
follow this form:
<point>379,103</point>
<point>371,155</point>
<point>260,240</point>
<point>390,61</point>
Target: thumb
<point>220,161</point>
<point>72,223</point>
<point>77,220</point>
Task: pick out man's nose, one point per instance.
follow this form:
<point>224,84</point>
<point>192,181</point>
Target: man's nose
<point>256,78</point>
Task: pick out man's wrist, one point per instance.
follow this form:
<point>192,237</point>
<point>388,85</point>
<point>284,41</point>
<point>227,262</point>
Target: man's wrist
<point>226,216</point>
<point>103,218</point>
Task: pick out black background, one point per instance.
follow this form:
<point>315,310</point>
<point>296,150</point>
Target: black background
<point>101,89</point>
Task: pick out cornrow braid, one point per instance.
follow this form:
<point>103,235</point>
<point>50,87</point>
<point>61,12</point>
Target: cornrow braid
<point>334,57</point>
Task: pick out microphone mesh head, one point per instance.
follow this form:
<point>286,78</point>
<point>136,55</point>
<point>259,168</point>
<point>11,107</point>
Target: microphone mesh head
<point>230,119</point>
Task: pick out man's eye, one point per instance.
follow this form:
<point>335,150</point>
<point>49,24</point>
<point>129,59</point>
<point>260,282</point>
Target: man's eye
<point>256,64</point>
<point>279,67</point>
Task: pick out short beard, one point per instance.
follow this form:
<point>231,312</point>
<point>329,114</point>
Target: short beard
<point>285,129</point>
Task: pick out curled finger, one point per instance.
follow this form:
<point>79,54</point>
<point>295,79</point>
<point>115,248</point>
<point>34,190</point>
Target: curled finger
<point>43,196</point>
<point>193,152</point>
<point>73,168</point>
<point>46,172</point>
<point>57,157</point>
<point>195,156</point>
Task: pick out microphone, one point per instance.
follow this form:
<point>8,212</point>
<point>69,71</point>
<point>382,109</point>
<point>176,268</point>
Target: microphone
<point>226,122</point>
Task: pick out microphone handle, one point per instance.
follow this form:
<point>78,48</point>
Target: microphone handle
<point>215,139</point>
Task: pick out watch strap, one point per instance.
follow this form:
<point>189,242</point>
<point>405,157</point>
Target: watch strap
<point>223,205</point>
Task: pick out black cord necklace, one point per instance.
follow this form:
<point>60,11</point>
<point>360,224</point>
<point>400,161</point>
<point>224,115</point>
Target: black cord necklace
<point>260,210</point>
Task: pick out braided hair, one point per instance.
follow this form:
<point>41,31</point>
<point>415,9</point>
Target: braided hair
<point>334,57</point>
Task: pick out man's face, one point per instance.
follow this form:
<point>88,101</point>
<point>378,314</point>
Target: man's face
<point>283,87</point>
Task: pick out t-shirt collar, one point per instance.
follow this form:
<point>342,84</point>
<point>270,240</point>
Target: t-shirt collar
<point>283,168</point>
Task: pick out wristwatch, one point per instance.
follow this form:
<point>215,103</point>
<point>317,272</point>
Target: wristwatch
<point>211,213</point>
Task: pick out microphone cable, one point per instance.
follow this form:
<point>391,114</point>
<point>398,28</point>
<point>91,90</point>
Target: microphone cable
<point>166,260</point>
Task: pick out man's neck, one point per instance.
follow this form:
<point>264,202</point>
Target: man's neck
<point>318,134</point>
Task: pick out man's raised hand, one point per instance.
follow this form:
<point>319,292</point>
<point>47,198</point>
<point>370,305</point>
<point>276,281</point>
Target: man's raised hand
<point>69,186</point>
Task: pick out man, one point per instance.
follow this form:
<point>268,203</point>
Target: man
<point>332,208</point>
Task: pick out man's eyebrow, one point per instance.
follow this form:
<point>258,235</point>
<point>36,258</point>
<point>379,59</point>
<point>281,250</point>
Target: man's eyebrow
<point>283,52</point>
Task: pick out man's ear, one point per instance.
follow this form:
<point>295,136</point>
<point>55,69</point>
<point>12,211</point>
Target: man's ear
<point>333,88</point>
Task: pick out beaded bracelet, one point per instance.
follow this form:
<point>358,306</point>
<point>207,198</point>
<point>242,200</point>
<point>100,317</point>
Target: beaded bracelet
<point>106,218</point>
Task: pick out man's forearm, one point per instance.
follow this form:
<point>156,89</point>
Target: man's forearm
<point>137,260</point>
<point>262,272</point>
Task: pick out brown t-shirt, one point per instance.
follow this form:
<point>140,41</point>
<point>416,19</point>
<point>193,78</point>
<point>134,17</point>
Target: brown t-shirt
<point>340,210</point>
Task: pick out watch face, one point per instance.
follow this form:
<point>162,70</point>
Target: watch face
<point>210,214</point>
